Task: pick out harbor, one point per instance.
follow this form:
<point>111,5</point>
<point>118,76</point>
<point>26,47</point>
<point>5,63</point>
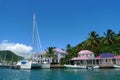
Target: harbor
<point>59,39</point>
<point>85,60</point>
<point>56,66</point>
<point>18,67</point>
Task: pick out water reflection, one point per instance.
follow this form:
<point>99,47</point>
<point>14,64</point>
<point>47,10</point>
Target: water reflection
<point>82,70</point>
<point>76,70</point>
<point>60,74</point>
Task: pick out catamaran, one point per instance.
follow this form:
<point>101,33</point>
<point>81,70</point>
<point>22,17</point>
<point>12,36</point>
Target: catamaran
<point>34,63</point>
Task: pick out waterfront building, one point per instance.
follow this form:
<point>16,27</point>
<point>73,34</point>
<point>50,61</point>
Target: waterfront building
<point>60,54</point>
<point>85,57</point>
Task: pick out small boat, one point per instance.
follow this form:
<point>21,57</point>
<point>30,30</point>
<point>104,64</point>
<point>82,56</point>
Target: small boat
<point>116,66</point>
<point>75,66</point>
<point>80,67</point>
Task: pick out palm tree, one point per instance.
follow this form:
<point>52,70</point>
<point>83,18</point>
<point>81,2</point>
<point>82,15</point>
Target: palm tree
<point>93,40</point>
<point>118,37</point>
<point>50,52</point>
<point>81,47</point>
<point>68,48</point>
<point>109,37</point>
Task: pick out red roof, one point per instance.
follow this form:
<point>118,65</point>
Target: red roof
<point>85,52</point>
<point>60,51</point>
<point>118,56</point>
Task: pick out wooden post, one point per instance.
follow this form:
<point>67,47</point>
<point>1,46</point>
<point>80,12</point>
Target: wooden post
<point>92,61</point>
<point>86,62</point>
<point>95,61</point>
<point>111,61</point>
<point>116,62</point>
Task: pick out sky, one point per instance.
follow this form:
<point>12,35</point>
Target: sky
<point>60,22</point>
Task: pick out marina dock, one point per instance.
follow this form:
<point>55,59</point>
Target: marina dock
<point>8,66</point>
<point>56,66</point>
<point>53,66</point>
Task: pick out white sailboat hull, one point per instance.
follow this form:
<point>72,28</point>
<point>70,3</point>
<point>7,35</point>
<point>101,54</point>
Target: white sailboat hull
<point>35,65</point>
<point>32,65</point>
<point>45,65</point>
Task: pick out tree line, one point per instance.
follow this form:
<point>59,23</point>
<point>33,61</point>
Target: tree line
<point>110,42</point>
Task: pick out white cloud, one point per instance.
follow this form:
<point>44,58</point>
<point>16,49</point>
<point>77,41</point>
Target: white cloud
<point>17,48</point>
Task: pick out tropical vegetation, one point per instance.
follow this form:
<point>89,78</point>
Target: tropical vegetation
<point>50,52</point>
<point>109,42</point>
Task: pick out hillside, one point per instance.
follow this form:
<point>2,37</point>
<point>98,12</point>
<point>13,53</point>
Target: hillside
<point>9,56</point>
<point>110,42</point>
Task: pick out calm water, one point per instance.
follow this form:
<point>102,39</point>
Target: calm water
<point>60,74</point>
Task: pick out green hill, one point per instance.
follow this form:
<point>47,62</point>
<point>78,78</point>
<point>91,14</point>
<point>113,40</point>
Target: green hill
<point>109,42</point>
<point>9,56</point>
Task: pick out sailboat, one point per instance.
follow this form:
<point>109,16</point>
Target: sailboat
<point>37,63</point>
<point>34,63</point>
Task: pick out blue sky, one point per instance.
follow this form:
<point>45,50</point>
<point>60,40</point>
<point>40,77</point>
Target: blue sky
<point>60,22</point>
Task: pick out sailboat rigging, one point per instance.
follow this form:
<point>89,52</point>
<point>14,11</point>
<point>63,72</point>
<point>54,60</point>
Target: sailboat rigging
<point>39,63</point>
<point>34,62</point>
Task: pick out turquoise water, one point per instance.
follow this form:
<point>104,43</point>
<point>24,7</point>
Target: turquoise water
<point>60,74</point>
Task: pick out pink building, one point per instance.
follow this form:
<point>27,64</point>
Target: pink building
<point>84,57</point>
<point>86,53</point>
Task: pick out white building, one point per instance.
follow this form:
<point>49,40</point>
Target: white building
<point>60,54</point>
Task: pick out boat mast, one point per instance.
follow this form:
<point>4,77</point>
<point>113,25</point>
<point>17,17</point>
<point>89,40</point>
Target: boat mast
<point>35,36</point>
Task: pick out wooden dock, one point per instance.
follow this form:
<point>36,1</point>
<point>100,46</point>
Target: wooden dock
<point>106,66</point>
<point>56,66</point>
<point>9,67</point>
